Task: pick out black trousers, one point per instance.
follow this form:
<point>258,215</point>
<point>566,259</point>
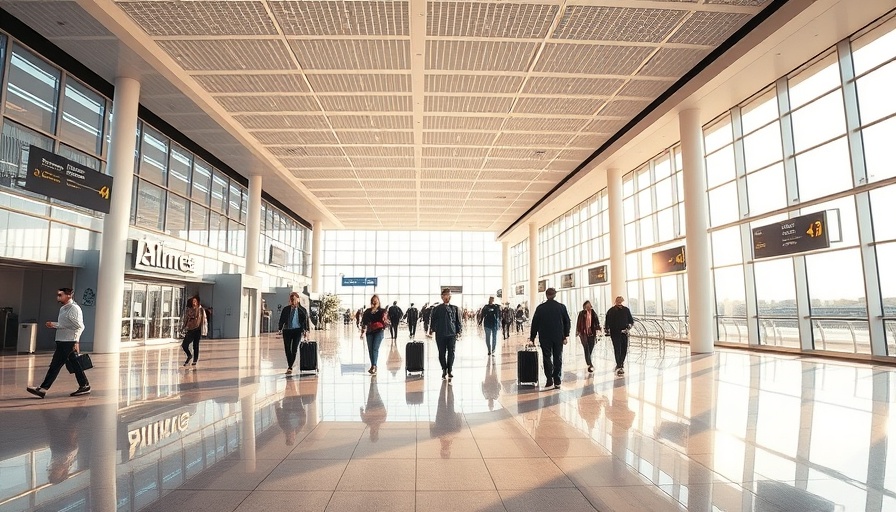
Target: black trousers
<point>291,339</point>
<point>412,328</point>
<point>192,337</point>
<point>552,355</point>
<point>393,328</point>
<point>446,346</point>
<point>588,345</point>
<point>506,329</point>
<point>65,350</point>
<point>620,347</point>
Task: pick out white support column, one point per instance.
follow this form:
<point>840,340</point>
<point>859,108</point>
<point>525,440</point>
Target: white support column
<point>505,273</point>
<point>316,255</point>
<point>110,279</point>
<point>699,267</point>
<point>253,225</point>
<point>533,268</point>
<point>617,234</point>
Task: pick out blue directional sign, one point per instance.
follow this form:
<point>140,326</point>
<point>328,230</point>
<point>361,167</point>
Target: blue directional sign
<point>359,281</point>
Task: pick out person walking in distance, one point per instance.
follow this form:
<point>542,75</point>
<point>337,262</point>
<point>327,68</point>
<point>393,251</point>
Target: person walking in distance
<point>587,327</point>
<point>490,318</point>
<point>191,325</point>
<point>619,321</point>
<point>446,324</point>
<point>426,314</point>
<point>373,326</point>
<point>69,327</point>
<point>412,315</point>
<point>395,314</point>
<point>506,319</point>
<point>551,324</point>
<point>293,324</point>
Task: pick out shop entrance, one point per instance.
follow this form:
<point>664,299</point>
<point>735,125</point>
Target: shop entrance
<point>151,311</point>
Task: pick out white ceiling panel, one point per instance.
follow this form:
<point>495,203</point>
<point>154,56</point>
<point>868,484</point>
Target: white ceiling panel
<point>376,137</point>
<point>272,122</point>
<point>366,103</point>
<point>583,22</point>
<point>229,54</point>
<point>234,84</point>
<point>479,55</point>
<point>458,138</point>
<point>709,28</point>
<point>534,140</point>
<point>351,18</point>
<point>273,103</point>
<point>360,83</point>
<point>593,59</point>
<point>371,122</point>
<point>572,86</point>
<point>446,122</point>
<point>645,88</point>
<point>486,19</point>
<point>673,62</point>
<point>357,54</point>
<point>230,18</point>
<point>558,106</point>
<point>378,151</point>
<point>489,105</point>
<point>64,19</point>
<point>492,84</point>
<point>281,137</point>
<point>455,152</point>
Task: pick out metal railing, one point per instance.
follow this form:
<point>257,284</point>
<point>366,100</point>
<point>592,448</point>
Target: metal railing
<point>652,332</point>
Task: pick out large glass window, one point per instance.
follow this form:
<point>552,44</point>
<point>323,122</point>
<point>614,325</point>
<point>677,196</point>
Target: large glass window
<point>179,167</point>
<point>83,115</point>
<point>176,216</point>
<point>154,156</point>
<point>32,90</point>
<point>150,206</point>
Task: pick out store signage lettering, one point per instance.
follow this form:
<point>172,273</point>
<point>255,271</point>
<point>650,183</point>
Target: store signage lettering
<point>60,178</point>
<point>156,432</point>
<point>156,257</point>
<point>799,234</point>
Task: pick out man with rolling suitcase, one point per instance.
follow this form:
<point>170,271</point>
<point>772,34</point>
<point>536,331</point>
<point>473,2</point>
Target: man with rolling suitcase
<point>551,324</point>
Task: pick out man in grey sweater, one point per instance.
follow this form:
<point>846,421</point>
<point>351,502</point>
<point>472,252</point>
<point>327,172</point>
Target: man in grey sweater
<point>68,327</point>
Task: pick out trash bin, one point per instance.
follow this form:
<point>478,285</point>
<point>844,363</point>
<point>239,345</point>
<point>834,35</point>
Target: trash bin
<point>27,343</point>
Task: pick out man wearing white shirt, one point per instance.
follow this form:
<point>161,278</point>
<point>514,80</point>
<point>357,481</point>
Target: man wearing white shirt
<point>68,327</point>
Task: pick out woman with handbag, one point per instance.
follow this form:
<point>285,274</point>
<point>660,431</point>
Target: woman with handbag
<point>192,325</point>
<point>587,327</point>
<point>373,325</point>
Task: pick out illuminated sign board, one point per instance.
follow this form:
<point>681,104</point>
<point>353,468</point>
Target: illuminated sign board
<point>60,178</point>
<point>597,275</point>
<point>799,234</point>
<point>670,260</point>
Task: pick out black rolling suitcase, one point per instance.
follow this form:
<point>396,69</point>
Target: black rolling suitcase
<point>413,357</point>
<point>527,366</point>
<point>308,357</point>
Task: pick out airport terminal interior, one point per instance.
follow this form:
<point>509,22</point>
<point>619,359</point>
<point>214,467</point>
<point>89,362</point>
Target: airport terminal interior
<point>721,168</point>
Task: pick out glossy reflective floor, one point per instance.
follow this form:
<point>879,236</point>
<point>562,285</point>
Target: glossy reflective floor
<point>730,431</point>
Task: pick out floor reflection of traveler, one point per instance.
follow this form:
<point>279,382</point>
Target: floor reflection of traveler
<point>590,404</point>
<point>290,412</point>
<point>448,422</point>
<point>393,362</point>
<point>374,413</point>
<point>63,427</point>
<point>491,386</point>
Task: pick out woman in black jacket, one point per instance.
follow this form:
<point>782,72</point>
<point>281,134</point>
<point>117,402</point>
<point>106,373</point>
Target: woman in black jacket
<point>587,327</point>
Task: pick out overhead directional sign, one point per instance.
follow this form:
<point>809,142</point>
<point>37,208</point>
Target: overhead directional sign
<point>60,178</point>
<point>670,260</point>
<point>799,234</point>
<point>359,281</point>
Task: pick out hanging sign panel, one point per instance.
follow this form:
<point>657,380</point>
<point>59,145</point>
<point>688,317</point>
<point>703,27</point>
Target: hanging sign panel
<point>60,178</point>
<point>799,234</point>
<point>597,275</point>
<point>568,280</point>
<point>359,281</point>
<point>668,261</point>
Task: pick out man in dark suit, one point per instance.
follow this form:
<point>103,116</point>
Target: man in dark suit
<point>395,314</point>
<point>551,324</point>
<point>412,315</point>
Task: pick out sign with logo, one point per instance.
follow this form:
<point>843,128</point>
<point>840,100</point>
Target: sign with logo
<point>542,285</point>
<point>568,280</point>
<point>597,275</point>
<point>278,257</point>
<point>156,257</point>
<point>799,234</point>
<point>670,260</point>
<point>60,178</point>
<point>454,289</point>
<point>359,281</point>
<point>520,289</point>
<point>157,432</point>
